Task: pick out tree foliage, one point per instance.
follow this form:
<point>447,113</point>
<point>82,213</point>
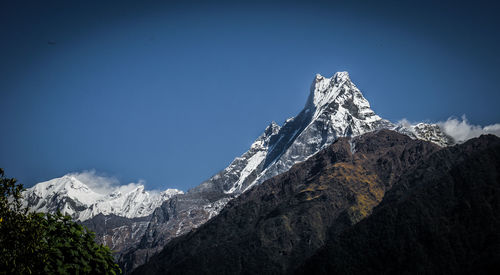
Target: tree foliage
<point>43,243</point>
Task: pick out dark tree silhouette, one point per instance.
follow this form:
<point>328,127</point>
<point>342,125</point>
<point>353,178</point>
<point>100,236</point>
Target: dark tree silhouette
<point>42,243</point>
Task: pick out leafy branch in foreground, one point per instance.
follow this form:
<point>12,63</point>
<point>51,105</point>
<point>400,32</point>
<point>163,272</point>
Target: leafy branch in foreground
<point>44,243</point>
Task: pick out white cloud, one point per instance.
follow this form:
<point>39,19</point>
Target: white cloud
<point>405,123</point>
<point>105,184</point>
<point>461,130</point>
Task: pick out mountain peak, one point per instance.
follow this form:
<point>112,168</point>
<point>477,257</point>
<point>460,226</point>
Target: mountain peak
<point>335,108</point>
<point>337,77</point>
<point>325,90</point>
<point>339,97</point>
<point>75,197</point>
<point>341,77</point>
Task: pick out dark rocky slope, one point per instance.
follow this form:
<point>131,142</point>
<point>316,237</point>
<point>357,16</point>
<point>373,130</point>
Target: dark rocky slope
<point>273,227</point>
<point>174,217</point>
<point>115,231</point>
<point>441,218</point>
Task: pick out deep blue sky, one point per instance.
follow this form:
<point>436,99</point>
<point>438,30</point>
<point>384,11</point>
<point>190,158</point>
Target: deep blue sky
<point>172,92</point>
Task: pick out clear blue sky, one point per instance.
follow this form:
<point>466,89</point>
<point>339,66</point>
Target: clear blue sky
<point>172,92</point>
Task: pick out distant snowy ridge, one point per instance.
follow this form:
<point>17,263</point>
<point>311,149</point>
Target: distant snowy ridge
<point>425,131</point>
<point>70,195</point>
<point>446,133</point>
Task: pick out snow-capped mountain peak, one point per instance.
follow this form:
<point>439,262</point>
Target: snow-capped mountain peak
<point>339,94</point>
<point>71,196</point>
<point>323,90</point>
<point>68,186</point>
<point>335,108</point>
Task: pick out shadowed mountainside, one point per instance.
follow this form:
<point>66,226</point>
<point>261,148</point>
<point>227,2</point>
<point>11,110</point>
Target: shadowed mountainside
<point>273,227</point>
<point>441,218</point>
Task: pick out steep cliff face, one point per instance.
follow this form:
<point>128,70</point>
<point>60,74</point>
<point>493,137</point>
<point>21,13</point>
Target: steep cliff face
<point>274,226</point>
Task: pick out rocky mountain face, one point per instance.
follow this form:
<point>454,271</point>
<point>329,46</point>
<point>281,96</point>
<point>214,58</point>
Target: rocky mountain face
<point>335,108</point>
<point>378,203</point>
<point>118,233</point>
<point>173,218</point>
<point>441,217</point>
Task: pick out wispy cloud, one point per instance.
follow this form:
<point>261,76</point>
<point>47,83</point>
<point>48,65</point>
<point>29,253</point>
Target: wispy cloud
<point>406,124</point>
<point>462,130</point>
<point>105,184</point>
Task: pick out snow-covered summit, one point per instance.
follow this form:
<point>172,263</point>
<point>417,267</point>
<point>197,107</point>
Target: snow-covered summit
<point>72,196</point>
<point>339,94</point>
<point>335,108</point>
<point>67,185</point>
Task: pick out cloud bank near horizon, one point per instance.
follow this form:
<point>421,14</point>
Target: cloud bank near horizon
<point>462,130</point>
